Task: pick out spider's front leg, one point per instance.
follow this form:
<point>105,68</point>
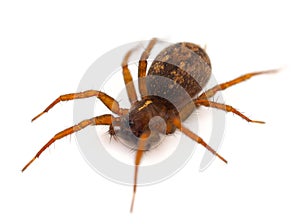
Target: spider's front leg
<point>108,101</point>
<point>131,93</point>
<point>138,157</point>
<point>106,119</point>
<point>143,68</point>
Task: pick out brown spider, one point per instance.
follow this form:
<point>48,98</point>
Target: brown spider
<point>182,65</point>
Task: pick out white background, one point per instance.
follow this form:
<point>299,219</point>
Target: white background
<point>45,48</point>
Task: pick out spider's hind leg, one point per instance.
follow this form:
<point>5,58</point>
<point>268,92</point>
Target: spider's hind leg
<point>225,107</point>
<point>203,98</point>
<point>211,92</point>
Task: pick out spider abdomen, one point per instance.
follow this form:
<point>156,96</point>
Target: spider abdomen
<point>177,74</point>
<point>183,65</point>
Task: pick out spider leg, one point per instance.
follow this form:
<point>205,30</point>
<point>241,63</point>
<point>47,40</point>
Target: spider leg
<point>108,101</point>
<point>106,119</point>
<point>143,68</point>
<point>196,138</point>
<point>138,158</point>
<point>211,92</point>
<point>225,107</point>
<point>132,96</point>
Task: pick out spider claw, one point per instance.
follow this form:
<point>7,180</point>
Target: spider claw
<point>132,202</point>
<point>37,116</point>
<point>220,157</point>
<point>259,122</point>
<point>28,164</point>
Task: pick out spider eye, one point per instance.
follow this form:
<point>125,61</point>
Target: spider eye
<point>131,123</point>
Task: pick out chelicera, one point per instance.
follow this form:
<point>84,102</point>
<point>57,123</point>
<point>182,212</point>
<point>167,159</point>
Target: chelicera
<point>179,66</point>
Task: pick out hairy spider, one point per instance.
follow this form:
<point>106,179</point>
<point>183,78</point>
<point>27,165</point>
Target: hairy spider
<point>182,65</point>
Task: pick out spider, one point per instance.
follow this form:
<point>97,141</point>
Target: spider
<point>182,65</point>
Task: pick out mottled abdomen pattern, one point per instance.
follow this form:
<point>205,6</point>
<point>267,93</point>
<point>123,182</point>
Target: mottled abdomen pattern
<point>184,64</point>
